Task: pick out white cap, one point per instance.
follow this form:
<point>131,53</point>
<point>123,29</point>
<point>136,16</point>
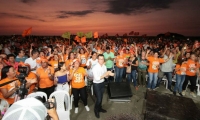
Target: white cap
<point>26,109</point>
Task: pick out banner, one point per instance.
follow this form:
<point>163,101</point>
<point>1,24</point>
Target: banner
<point>27,32</point>
<point>136,33</point>
<point>88,35</point>
<point>131,33</point>
<point>80,34</point>
<point>77,39</point>
<point>83,39</point>
<point>96,35</point>
<point>66,35</point>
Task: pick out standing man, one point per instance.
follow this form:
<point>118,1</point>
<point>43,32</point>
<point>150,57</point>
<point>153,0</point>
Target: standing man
<point>99,72</point>
<point>32,60</point>
<point>109,59</point>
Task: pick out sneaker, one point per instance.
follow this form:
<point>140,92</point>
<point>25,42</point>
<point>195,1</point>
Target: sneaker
<point>180,94</point>
<point>87,108</point>
<point>157,87</point>
<point>76,110</point>
<point>174,93</point>
<point>193,94</point>
<point>183,92</point>
<point>149,89</point>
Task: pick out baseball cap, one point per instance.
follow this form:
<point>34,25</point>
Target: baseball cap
<point>26,109</point>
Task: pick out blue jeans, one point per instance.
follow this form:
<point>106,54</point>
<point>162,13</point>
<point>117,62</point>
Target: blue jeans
<point>131,76</point>
<point>152,80</point>
<point>179,83</point>
<point>98,92</point>
<point>118,74</point>
<point>169,78</point>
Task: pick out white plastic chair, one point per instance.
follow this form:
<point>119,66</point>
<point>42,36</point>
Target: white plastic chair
<point>41,94</point>
<point>92,91</point>
<point>62,104</point>
<point>4,105</point>
<point>165,81</point>
<point>71,101</point>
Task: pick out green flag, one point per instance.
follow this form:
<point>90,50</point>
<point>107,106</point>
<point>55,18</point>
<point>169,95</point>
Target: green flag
<point>80,34</point>
<point>66,35</point>
<point>88,35</point>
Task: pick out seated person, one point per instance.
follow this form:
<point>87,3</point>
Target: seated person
<point>7,91</point>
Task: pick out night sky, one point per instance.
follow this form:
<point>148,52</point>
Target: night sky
<point>54,17</point>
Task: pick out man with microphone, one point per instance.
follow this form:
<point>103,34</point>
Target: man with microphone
<point>99,72</point>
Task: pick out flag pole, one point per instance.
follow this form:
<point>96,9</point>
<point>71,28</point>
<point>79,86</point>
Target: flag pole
<point>69,39</point>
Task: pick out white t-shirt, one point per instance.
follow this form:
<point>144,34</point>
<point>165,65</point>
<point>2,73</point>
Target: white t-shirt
<point>89,71</point>
<point>7,51</point>
<point>94,62</point>
<point>32,63</point>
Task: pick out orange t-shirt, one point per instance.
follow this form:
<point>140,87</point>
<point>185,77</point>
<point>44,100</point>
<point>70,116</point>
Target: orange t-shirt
<point>182,71</point>
<point>54,63</point>
<point>191,63</point>
<point>9,87</point>
<point>31,75</point>
<point>78,78</point>
<point>99,51</point>
<point>44,81</point>
<point>65,57</point>
<point>68,62</point>
<point>154,64</point>
<point>120,61</point>
<point>83,59</point>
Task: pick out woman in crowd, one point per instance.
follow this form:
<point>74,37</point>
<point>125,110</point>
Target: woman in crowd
<point>120,63</point>
<point>76,76</point>
<point>192,70</point>
<point>180,76</point>
<point>45,75</point>
<point>69,61</point>
<point>90,64</point>
<point>83,57</point>
<point>61,77</point>
<point>133,62</point>
<point>56,59</point>
<point>8,91</point>
<point>154,64</point>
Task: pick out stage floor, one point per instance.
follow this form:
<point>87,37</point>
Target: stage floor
<point>134,107</point>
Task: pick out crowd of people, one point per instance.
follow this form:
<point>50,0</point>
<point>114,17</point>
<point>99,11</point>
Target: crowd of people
<point>58,64</point>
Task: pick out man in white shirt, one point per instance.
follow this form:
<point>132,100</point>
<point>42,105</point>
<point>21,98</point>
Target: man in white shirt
<point>7,49</point>
<point>32,60</point>
<point>99,73</point>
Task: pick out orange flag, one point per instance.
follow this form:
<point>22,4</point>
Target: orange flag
<point>83,39</point>
<point>77,39</point>
<point>27,32</point>
<point>96,35</point>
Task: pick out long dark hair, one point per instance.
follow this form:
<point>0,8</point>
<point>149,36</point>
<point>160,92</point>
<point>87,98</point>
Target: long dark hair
<point>180,61</point>
<point>60,64</point>
<point>70,55</point>
<point>4,71</point>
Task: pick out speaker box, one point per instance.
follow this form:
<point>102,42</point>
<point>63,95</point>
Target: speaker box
<point>119,90</point>
<point>161,106</point>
